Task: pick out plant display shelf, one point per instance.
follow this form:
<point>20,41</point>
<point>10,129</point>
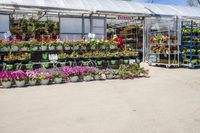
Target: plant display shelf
<point>166,53</point>
<point>190,44</point>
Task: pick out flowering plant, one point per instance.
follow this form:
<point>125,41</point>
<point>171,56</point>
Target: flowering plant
<point>57,73</point>
<point>32,75</point>
<point>44,75</point>
<point>19,75</point>
<point>6,76</point>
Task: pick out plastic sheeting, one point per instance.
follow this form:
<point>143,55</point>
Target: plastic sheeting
<point>159,9</point>
<point>110,6</point>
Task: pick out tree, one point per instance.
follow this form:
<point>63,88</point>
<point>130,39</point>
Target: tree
<point>194,3</point>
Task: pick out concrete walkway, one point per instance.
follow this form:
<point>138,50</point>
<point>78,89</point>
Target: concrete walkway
<point>168,102</point>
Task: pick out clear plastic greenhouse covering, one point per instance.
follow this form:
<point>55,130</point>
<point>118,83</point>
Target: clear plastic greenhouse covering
<point>107,6</point>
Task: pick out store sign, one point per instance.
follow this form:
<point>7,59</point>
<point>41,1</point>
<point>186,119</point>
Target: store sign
<point>125,17</point>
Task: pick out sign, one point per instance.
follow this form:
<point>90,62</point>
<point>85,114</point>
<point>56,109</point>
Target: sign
<point>153,58</point>
<point>125,17</point>
<point>91,35</point>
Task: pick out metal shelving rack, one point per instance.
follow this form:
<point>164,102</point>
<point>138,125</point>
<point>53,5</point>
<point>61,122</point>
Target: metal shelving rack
<point>190,44</point>
<point>169,58</point>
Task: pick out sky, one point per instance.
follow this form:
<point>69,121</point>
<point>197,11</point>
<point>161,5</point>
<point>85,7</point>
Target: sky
<point>173,2</point>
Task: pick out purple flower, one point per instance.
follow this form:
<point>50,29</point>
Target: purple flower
<point>19,75</point>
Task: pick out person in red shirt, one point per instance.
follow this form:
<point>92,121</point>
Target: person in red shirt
<point>119,41</point>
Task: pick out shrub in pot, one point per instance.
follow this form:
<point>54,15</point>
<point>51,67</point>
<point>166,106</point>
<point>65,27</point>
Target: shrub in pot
<point>20,78</point>
<point>6,79</point>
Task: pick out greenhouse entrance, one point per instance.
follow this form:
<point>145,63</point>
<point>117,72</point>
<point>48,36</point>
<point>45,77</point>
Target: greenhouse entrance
<point>129,29</point>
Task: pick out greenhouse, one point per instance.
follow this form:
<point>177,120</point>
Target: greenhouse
<point>99,33</point>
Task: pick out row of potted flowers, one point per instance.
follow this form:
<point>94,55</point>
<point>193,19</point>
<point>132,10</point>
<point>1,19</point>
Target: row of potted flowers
<point>67,74</point>
<point>56,45</point>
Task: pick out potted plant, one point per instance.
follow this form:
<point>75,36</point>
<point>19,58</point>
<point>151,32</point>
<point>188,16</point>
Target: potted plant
<point>14,47</point>
<point>10,58</point>
<point>43,45</point>
<point>34,45</point>
<point>6,79</point>
<point>32,77</point>
<point>73,74</point>
<point>20,78</point>
<point>5,46</point>
<point>59,46</point>
<point>67,45</point>
<point>57,76</point>
<point>88,73</point>
<point>62,57</point>
<point>109,73</point>
<point>44,76</point>
<point>76,46</point>
<point>51,46</point>
<point>24,46</point>
<point>97,74</point>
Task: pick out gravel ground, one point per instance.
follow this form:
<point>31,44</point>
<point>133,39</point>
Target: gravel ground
<point>167,102</point>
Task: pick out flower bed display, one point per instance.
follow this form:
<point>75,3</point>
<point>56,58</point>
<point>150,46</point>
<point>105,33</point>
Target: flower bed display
<point>68,74</point>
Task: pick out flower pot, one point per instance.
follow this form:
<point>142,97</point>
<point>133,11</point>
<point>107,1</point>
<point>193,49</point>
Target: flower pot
<point>97,77</point>
<point>5,49</point>
<point>109,76</point>
<point>87,78</point>
<point>24,49</point>
<point>32,82</point>
<point>67,48</point>
<point>59,48</point>
<point>126,61</point>
<point>34,48</point>
<point>113,62</point>
<point>73,78</point>
<point>14,48</point>
<point>76,47</point>
<point>6,84</point>
<point>51,47</point>
<point>20,83</point>
<point>43,48</point>
<point>99,63</point>
<point>44,81</point>
<point>58,80</point>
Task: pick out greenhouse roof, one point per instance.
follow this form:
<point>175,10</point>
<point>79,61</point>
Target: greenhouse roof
<point>106,6</point>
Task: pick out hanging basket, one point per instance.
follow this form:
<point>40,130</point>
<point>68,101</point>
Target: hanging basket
<point>44,81</point>
<point>74,78</point>
<point>6,84</point>
<point>32,82</point>
<point>58,80</point>
<point>20,83</point>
